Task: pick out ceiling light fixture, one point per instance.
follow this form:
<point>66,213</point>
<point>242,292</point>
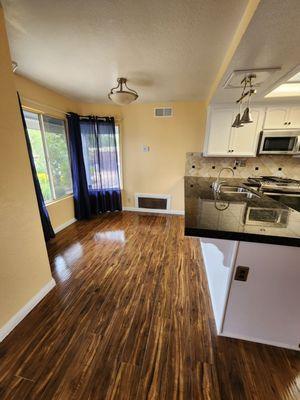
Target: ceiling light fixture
<point>288,87</point>
<point>246,117</point>
<point>120,96</point>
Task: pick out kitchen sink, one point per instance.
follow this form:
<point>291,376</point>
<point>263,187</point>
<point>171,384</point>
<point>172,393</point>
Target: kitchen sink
<point>226,189</point>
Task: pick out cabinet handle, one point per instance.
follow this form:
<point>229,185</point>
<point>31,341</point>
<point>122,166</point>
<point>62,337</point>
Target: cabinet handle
<point>285,123</point>
<point>289,123</point>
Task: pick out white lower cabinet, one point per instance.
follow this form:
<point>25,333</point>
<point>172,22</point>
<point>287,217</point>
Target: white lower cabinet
<point>223,140</point>
<point>265,307</point>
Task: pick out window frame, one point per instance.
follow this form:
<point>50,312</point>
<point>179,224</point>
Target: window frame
<point>40,115</point>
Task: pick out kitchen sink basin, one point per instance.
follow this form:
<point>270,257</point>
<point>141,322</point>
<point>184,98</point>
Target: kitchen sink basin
<point>226,189</point>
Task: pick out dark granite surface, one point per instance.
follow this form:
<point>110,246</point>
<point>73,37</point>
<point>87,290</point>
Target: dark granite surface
<point>235,216</point>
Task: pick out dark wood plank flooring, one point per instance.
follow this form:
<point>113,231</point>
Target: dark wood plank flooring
<point>130,318</point>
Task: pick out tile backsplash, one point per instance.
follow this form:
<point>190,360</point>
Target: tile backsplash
<point>283,166</point>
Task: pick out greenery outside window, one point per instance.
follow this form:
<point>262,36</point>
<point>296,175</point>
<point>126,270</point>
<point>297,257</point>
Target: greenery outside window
<point>51,156</point>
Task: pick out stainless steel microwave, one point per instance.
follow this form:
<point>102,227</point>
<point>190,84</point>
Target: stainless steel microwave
<point>279,142</point>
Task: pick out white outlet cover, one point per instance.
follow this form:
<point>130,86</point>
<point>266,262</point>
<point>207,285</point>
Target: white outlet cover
<point>146,148</point>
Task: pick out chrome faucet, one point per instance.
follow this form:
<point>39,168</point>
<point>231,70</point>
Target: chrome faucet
<point>217,183</point>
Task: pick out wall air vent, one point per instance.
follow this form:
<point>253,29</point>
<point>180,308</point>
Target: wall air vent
<point>163,112</point>
<point>152,201</point>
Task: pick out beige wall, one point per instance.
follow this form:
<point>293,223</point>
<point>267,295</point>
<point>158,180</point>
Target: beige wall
<point>38,98</point>
<point>24,265</point>
<point>61,211</point>
<point>161,170</point>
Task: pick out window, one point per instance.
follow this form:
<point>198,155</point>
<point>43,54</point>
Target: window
<point>50,152</point>
<point>102,156</point>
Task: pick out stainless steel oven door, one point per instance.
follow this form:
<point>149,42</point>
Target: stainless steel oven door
<point>279,142</point>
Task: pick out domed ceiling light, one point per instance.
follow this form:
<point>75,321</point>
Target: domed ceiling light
<point>120,96</point>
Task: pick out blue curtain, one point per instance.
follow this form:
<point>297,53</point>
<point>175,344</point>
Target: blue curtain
<point>97,158</point>
<point>80,191</point>
<point>46,224</point>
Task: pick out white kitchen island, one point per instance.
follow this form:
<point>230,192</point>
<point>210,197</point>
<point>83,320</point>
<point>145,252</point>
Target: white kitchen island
<point>251,251</point>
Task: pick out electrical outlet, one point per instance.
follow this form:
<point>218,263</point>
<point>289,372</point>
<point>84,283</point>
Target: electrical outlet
<point>241,273</point>
<point>239,163</point>
<point>146,148</point>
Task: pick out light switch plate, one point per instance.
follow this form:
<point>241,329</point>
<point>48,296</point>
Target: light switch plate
<point>146,148</point>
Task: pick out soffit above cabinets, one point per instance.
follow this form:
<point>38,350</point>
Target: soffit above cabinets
<point>272,39</point>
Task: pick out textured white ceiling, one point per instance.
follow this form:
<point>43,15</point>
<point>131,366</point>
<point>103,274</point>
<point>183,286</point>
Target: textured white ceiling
<point>168,49</point>
<point>272,39</point>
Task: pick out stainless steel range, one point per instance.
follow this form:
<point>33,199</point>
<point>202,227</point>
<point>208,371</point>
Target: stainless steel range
<point>285,190</point>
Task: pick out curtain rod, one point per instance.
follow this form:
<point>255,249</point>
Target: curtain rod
<point>59,110</point>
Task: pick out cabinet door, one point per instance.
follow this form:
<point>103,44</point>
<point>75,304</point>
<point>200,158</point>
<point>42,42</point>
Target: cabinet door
<point>243,141</point>
<point>220,122</point>
<point>276,118</point>
<point>265,308</point>
<point>294,118</point>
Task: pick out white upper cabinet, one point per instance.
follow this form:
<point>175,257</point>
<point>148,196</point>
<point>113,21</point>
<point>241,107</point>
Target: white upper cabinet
<point>244,140</point>
<point>276,118</point>
<point>294,118</point>
<point>223,140</point>
<point>220,121</point>
<point>282,118</point>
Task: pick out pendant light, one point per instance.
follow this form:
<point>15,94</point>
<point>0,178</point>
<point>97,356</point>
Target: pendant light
<point>246,117</point>
<point>237,123</point>
<point>120,96</point>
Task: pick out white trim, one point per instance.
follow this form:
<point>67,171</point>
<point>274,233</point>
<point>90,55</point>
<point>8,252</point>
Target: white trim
<point>21,314</point>
<point>64,225</point>
<point>49,203</point>
<point>229,282</point>
<point>152,196</point>
<point>153,210</point>
<point>251,339</point>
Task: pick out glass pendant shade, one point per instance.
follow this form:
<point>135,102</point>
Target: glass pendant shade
<point>246,118</point>
<point>237,122</point>
<point>120,96</point>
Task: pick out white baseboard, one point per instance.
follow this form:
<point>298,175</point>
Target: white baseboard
<point>153,210</point>
<point>21,314</point>
<point>262,341</point>
<point>64,225</point>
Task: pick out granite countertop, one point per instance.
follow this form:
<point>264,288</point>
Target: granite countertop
<point>235,216</point>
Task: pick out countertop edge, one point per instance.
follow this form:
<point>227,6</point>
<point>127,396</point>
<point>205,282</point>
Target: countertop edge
<point>244,237</point>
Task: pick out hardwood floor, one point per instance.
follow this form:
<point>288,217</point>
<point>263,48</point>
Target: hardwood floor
<point>130,318</point>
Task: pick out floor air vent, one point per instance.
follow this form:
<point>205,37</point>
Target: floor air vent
<point>152,201</point>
